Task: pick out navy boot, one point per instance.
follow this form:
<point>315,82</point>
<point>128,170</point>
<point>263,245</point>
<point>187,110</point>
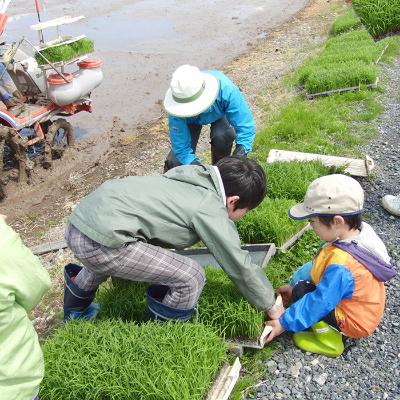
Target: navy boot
<point>157,311</point>
<point>77,302</point>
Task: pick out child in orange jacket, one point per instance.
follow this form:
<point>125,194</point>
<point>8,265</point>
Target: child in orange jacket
<point>341,291</point>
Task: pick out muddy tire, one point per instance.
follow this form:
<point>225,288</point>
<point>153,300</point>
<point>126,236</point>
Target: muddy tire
<point>59,136</point>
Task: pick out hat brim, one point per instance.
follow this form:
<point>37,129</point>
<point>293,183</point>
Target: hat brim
<point>197,106</point>
<point>299,212</point>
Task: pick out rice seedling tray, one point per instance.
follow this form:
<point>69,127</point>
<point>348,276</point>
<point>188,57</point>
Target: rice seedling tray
<point>355,167</point>
<point>289,243</point>
<point>260,254</point>
<point>374,85</point>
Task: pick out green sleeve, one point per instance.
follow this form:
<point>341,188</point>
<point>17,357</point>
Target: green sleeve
<point>220,235</point>
<point>23,279</point>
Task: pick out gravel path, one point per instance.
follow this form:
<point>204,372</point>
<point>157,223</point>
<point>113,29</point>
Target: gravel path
<point>369,368</point>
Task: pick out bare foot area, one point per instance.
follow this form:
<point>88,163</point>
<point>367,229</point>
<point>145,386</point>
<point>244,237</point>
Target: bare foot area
<point>38,211</point>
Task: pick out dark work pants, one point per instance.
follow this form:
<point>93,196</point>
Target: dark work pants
<point>222,135</point>
<point>304,287</point>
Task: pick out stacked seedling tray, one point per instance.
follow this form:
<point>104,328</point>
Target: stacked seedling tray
<point>347,62</point>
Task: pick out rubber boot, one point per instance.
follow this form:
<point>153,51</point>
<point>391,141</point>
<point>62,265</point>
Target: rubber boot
<point>322,340</point>
<point>157,311</point>
<point>218,154</point>
<point>77,302</point>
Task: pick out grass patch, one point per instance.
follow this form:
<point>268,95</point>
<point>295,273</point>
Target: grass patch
<point>116,360</point>
<point>379,16</point>
<point>269,223</point>
<point>66,51</point>
<point>221,306</point>
<point>346,22</point>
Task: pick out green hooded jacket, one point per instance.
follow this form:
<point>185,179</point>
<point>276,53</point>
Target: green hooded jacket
<point>23,281</point>
<point>175,210</point>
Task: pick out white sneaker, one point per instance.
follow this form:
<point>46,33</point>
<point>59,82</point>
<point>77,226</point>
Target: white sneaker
<point>391,204</point>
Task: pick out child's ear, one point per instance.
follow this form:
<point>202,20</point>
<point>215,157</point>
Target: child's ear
<point>338,221</point>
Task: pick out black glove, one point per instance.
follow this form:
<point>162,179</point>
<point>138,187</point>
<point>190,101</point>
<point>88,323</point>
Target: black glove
<point>239,151</point>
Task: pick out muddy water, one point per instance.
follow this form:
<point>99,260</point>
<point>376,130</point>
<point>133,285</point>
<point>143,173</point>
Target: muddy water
<point>142,42</point>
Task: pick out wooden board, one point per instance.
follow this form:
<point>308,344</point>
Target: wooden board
<point>355,167</point>
<point>48,247</point>
<point>225,382</point>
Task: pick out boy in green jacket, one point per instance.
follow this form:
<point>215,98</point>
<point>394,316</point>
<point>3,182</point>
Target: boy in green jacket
<point>23,281</point>
<point>123,229</point>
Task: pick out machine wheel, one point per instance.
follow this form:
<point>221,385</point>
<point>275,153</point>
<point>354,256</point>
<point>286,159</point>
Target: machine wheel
<point>59,135</point>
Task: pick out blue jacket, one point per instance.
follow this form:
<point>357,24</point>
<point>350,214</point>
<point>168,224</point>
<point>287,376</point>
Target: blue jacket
<point>229,103</point>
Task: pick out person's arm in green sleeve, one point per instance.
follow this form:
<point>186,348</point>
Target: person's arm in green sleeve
<point>220,236</point>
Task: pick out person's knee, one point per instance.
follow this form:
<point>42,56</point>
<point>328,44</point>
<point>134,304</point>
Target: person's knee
<point>301,289</point>
<point>197,278</point>
<point>223,136</point>
<point>171,162</point>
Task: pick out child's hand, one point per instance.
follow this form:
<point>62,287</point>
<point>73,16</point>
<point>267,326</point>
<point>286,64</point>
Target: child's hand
<point>286,293</point>
<point>277,329</point>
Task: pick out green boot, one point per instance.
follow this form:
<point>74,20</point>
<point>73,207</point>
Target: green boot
<point>322,340</point>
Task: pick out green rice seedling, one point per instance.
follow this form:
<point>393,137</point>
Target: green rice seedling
<point>359,37</point>
<point>346,22</point>
<point>379,16</point>
<point>285,263</point>
<point>337,76</point>
<point>65,52</point>
<point>269,223</point>
<point>327,125</point>
<point>123,299</point>
<point>222,307</point>
<point>114,360</point>
<point>291,179</point>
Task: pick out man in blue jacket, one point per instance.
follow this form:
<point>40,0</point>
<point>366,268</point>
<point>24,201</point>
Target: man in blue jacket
<point>197,98</point>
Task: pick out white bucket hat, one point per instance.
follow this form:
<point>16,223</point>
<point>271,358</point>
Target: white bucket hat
<point>191,92</point>
<point>330,195</point>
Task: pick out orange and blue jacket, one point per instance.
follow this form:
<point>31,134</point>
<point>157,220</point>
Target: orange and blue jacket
<point>349,280</point>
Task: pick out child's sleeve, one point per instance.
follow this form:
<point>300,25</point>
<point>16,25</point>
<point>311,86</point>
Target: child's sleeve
<point>302,274</point>
<point>336,284</point>
<point>23,278</point>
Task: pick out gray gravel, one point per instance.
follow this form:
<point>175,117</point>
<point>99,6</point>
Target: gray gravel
<point>369,368</point>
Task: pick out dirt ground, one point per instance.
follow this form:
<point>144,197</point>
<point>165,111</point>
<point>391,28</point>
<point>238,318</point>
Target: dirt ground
<point>38,211</point>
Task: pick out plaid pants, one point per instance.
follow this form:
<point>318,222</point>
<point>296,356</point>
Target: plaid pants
<point>137,261</point>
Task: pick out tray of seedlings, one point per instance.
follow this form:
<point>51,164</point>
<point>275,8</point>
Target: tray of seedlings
<point>347,63</point>
<point>112,359</point>
<point>221,307</point>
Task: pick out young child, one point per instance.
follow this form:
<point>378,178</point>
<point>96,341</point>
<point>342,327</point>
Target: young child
<point>341,291</point>
<point>23,281</point>
<point>125,227</point>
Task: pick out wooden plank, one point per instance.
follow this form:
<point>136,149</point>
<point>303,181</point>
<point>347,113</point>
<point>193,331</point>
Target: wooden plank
<point>355,167</point>
<point>225,382</point>
<point>66,19</point>
<point>48,247</point>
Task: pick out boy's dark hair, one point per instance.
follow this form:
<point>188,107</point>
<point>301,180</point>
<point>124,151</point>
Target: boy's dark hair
<point>245,178</point>
<point>353,221</point>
